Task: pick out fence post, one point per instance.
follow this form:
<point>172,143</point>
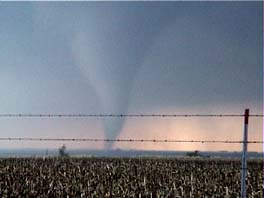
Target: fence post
<point>244,157</point>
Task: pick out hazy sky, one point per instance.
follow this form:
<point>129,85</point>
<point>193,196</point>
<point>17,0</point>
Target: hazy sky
<point>131,57</point>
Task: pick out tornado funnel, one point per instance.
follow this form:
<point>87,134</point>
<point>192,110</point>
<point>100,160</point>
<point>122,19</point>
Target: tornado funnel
<point>109,49</point>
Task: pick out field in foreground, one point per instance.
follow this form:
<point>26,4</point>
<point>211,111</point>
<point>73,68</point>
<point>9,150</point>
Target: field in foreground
<point>126,177</point>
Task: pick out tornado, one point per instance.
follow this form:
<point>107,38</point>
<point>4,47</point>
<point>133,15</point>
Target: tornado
<point>108,42</point>
<point>110,53</point>
<point>110,70</point>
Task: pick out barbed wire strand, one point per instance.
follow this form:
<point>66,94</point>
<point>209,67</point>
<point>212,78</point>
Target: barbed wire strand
<point>127,140</point>
<point>127,115</point>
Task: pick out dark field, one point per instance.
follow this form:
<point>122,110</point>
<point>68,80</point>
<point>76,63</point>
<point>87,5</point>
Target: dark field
<point>126,177</point>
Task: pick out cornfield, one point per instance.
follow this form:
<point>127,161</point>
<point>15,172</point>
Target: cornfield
<point>127,177</point>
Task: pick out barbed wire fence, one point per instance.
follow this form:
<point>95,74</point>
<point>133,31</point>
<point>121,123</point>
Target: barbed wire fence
<point>128,115</point>
<point>245,141</point>
<point>81,115</point>
<point>128,140</point>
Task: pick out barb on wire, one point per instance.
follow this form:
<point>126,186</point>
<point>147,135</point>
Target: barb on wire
<point>125,115</point>
<point>127,140</point>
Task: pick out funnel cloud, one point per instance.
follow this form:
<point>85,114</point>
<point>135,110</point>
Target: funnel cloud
<point>109,52</point>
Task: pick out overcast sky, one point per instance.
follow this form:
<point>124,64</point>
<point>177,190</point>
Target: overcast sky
<point>131,57</point>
